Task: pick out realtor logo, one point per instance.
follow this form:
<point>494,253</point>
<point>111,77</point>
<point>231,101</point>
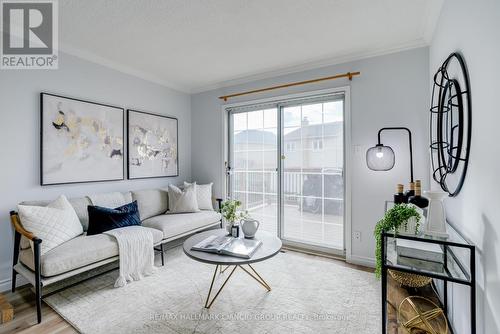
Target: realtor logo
<point>29,34</point>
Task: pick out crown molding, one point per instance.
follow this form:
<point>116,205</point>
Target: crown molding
<point>418,43</point>
<point>89,56</point>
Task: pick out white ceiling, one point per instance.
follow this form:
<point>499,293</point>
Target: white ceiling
<point>196,45</point>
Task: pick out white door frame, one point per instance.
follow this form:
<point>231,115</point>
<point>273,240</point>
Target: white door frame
<point>346,90</point>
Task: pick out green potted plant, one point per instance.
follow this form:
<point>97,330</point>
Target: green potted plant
<point>231,214</point>
<point>395,218</point>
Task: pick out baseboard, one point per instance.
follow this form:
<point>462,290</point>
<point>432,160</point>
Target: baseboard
<point>6,284</point>
<point>313,252</point>
<point>362,261</point>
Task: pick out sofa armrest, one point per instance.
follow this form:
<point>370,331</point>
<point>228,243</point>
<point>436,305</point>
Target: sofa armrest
<point>18,232</point>
<point>18,227</point>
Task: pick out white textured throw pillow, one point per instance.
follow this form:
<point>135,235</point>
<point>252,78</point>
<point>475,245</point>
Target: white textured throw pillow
<point>55,223</point>
<point>182,201</point>
<point>203,195</point>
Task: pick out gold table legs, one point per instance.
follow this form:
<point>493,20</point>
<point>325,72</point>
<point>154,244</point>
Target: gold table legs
<point>255,275</point>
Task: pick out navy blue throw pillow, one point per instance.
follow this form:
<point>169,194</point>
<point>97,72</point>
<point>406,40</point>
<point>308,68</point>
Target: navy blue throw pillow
<point>105,219</point>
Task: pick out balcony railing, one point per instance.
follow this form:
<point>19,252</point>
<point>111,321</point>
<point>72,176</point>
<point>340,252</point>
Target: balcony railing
<point>259,184</point>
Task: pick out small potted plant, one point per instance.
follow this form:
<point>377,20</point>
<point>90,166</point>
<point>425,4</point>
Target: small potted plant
<point>395,219</point>
<point>231,214</point>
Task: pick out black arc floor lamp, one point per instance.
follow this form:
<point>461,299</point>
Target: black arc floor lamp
<point>381,157</point>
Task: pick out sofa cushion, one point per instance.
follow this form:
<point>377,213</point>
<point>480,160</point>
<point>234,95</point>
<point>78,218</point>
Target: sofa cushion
<point>25,243</point>
<point>80,205</point>
<point>105,219</point>
<point>203,195</point>
<point>151,202</point>
<point>182,201</point>
<point>176,224</point>
<point>76,253</point>
<point>55,223</point>
<point>112,199</point>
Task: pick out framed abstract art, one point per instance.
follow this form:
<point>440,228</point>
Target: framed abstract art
<point>81,141</point>
<point>152,145</point>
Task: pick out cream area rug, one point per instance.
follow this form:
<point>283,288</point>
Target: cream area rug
<point>309,294</point>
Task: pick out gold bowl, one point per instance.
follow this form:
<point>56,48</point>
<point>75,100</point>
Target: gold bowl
<point>410,280</point>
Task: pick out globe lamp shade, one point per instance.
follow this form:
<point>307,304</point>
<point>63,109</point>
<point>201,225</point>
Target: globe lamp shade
<point>380,158</point>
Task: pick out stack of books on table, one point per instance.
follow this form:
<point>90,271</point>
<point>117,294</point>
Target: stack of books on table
<point>422,255</point>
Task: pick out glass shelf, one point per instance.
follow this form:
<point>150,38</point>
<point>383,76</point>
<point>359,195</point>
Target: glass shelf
<point>450,268</point>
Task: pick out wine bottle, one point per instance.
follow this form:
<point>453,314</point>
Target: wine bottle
<point>399,196</point>
<point>418,199</point>
<point>410,192</point>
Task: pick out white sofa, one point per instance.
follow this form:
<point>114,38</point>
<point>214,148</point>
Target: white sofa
<point>84,253</point>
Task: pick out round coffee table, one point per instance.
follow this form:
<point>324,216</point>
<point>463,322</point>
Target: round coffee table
<point>271,245</point>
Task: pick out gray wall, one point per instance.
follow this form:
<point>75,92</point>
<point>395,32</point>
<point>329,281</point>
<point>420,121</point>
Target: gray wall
<point>20,128</point>
<point>473,28</point>
<point>391,91</point>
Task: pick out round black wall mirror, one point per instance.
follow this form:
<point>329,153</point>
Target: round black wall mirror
<point>450,124</point>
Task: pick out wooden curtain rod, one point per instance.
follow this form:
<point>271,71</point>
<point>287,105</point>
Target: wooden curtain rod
<point>338,76</point>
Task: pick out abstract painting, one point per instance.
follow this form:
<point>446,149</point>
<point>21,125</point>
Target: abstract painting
<point>152,145</point>
<point>81,141</point>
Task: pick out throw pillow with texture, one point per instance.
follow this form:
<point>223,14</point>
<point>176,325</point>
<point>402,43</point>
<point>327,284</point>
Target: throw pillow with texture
<point>55,223</point>
<point>203,195</point>
<point>182,201</point>
<point>103,219</point>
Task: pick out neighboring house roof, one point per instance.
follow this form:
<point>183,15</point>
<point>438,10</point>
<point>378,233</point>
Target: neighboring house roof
<point>255,137</point>
<point>269,138</point>
<point>316,130</point>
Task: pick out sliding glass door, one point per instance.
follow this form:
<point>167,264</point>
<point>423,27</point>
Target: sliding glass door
<point>286,165</point>
<point>253,164</point>
<point>312,168</point>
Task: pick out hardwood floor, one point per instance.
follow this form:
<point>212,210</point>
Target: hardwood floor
<point>23,301</point>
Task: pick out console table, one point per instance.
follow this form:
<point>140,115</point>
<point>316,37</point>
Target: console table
<point>458,267</point>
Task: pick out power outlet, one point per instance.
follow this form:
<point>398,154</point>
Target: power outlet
<point>357,149</point>
<point>357,236</point>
